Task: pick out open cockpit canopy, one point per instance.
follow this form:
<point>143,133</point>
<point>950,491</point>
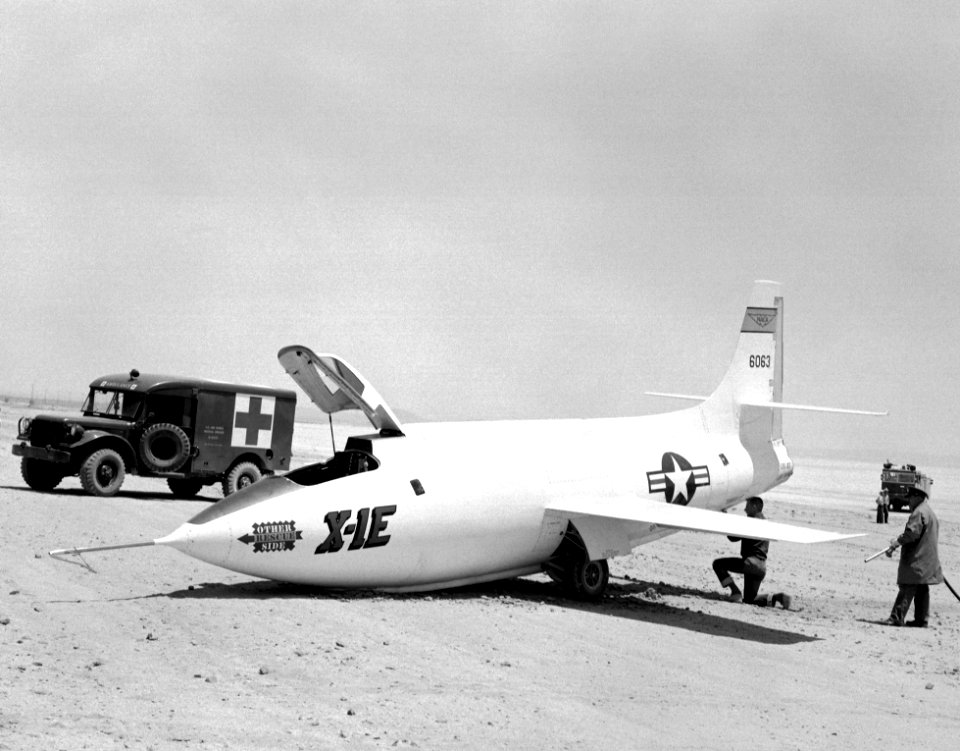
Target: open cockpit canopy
<point>334,386</point>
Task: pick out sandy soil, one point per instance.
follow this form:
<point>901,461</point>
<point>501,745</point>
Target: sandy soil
<point>154,650</point>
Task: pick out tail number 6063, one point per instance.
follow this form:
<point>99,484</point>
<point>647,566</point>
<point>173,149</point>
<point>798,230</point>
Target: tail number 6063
<point>759,361</point>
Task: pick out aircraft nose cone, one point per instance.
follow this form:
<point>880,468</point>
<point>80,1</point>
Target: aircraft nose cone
<point>212,535</point>
<point>210,542</point>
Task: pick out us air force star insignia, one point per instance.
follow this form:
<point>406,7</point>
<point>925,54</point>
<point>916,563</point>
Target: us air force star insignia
<point>676,479</point>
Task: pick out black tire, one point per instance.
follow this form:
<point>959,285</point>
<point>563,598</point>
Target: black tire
<point>40,475</point>
<point>240,477</point>
<point>184,487</point>
<point>589,579</point>
<point>164,447</point>
<point>102,473</point>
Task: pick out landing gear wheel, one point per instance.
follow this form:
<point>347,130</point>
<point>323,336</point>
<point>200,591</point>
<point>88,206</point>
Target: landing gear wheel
<point>164,447</point>
<point>102,473</point>
<point>184,487</point>
<point>40,475</point>
<point>570,567</point>
<point>241,476</point>
<point>589,579</point>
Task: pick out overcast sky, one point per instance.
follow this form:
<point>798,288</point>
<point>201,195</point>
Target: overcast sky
<point>490,209</point>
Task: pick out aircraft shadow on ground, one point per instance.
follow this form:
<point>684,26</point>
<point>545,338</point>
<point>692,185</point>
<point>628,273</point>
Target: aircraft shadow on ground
<point>632,601</point>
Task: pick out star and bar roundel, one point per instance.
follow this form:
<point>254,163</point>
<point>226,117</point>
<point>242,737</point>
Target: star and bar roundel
<point>677,479</point>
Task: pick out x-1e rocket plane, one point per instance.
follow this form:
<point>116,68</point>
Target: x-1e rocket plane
<point>427,506</point>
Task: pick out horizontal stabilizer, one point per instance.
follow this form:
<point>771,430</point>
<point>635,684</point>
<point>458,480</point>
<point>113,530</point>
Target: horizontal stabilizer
<point>688,397</point>
<point>675,516</point>
<point>811,408</point>
<point>776,405</point>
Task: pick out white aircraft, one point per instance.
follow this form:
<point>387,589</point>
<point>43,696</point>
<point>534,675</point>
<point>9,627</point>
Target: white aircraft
<point>429,506</point>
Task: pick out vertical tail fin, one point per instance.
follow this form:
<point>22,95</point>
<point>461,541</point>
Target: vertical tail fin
<point>755,378</point>
<point>755,375</point>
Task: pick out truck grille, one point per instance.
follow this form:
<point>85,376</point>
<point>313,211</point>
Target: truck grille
<point>44,433</point>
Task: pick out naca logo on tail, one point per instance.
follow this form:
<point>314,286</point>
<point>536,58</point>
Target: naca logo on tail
<point>758,320</point>
<point>677,479</point>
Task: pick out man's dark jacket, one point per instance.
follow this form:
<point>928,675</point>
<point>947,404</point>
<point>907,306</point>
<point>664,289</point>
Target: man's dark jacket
<point>919,559</point>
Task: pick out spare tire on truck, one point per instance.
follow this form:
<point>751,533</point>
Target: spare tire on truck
<point>164,447</point>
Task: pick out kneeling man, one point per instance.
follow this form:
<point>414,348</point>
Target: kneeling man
<point>752,563</point>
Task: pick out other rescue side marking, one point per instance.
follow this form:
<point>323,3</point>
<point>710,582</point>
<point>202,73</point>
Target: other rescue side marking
<point>271,537</point>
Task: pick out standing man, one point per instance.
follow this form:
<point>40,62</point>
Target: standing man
<point>752,563</point>
<point>919,562</point>
<point>883,507</point>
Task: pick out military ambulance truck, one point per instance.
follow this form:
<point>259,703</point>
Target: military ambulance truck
<point>190,431</point>
<point>899,481</point>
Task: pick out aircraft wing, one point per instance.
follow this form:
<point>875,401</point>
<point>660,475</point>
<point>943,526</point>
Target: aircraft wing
<point>599,521</point>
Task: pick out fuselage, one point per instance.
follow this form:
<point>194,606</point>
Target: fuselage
<point>456,503</point>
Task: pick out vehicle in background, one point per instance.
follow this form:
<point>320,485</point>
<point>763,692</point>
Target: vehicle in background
<point>898,481</point>
<point>191,431</point>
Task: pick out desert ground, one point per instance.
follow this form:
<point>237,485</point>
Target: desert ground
<point>150,649</point>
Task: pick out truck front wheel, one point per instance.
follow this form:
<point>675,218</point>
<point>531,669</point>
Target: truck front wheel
<point>102,472</point>
<point>244,474</point>
<point>40,475</point>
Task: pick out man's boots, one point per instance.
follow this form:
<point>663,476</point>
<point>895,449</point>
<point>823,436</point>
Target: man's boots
<point>783,599</point>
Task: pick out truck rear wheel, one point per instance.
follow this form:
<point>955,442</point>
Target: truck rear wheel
<point>242,475</point>
<point>102,473</point>
<point>164,447</point>
<point>40,475</point>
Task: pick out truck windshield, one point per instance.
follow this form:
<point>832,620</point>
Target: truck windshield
<point>893,476</point>
<point>106,403</point>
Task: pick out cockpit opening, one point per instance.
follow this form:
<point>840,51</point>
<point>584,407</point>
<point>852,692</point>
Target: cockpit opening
<point>350,461</point>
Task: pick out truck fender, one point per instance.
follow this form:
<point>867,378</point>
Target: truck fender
<point>94,440</point>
